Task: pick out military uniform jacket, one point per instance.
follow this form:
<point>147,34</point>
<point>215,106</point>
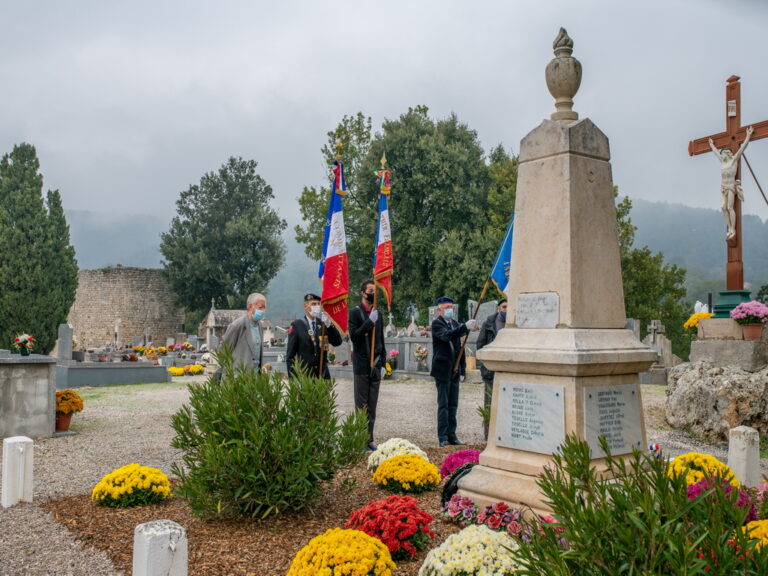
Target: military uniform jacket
<point>487,335</point>
<point>360,332</point>
<point>446,344</point>
<point>303,348</point>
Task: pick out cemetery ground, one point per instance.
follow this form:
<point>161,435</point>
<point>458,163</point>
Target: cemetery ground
<point>64,533</point>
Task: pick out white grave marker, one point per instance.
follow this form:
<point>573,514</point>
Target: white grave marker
<point>160,548</point>
<point>18,452</point>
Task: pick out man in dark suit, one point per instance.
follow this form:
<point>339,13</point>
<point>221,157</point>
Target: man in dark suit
<point>364,321</point>
<point>446,346</point>
<point>305,340</point>
<point>488,331</point>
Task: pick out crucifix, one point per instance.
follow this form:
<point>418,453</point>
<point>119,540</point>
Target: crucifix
<point>734,139</point>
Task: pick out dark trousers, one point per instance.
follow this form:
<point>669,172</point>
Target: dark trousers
<point>447,405</point>
<point>367,397</point>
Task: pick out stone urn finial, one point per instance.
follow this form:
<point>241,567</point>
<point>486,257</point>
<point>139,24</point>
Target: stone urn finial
<point>563,76</point>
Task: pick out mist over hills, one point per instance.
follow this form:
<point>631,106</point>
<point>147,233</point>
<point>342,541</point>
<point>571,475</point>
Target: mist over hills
<point>689,237</point>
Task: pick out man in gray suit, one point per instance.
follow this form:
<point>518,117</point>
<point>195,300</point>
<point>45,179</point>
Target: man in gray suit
<point>244,336</point>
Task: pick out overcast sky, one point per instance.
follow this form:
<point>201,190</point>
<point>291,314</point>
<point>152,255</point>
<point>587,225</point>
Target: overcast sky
<point>128,103</point>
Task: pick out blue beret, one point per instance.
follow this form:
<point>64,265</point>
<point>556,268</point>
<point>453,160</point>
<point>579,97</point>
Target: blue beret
<point>310,297</point>
<point>445,300</point>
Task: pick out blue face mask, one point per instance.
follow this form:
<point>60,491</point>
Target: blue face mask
<point>257,315</point>
<point>449,313</point>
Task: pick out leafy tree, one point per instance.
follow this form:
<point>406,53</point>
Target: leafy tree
<point>224,242</point>
<point>38,270</point>
<point>762,294</point>
<point>653,290</point>
<point>442,191</point>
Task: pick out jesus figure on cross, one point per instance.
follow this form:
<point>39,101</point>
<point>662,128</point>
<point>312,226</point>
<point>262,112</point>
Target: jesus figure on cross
<point>730,188</point>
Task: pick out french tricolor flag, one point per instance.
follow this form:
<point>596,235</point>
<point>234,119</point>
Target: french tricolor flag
<point>334,273</point>
<point>383,260</point>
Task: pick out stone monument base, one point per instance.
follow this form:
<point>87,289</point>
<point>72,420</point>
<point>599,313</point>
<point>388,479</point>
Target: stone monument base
<point>751,356</point>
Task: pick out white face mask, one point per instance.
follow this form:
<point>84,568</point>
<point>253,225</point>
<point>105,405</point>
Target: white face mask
<point>449,313</point>
<point>315,310</point>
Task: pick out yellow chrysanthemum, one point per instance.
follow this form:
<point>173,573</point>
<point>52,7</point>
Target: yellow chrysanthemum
<point>693,321</point>
<point>695,466</point>
<point>132,485</point>
<point>341,551</point>
<point>757,530</point>
<point>407,473</point>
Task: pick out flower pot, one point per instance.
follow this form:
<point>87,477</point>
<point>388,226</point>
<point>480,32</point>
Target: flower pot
<point>752,331</point>
<point>24,351</point>
<point>63,421</point>
<point>393,362</point>
<point>422,366</point>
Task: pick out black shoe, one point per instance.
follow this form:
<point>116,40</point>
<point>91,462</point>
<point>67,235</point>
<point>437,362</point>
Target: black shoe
<point>455,442</point>
<point>371,447</point>
<point>444,443</point>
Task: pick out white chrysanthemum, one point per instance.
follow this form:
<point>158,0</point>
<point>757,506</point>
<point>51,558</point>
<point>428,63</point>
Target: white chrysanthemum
<point>391,448</point>
<point>476,551</point>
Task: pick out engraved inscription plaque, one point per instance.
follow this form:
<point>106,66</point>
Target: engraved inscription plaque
<point>613,412</point>
<point>530,416</point>
<point>537,310</point>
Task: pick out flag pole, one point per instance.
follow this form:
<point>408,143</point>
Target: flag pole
<point>375,288</point>
<point>339,148</point>
<point>474,316</point>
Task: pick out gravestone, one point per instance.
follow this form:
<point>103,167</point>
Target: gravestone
<point>136,341</point>
<point>413,328</point>
<point>160,548</point>
<point>170,341</point>
<point>485,310</point>
<point>147,336</point>
<point>565,362</point>
<point>194,340</point>
<point>181,338</point>
<point>390,331</point>
<point>18,456</point>
<point>213,342</point>
<point>65,342</point>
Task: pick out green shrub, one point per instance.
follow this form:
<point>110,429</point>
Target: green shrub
<point>254,444</point>
<point>641,523</point>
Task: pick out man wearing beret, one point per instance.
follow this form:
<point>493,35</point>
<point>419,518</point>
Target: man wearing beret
<point>305,340</point>
<point>366,328</point>
<point>446,346</point>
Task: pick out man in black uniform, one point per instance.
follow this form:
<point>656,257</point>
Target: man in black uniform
<point>363,321</point>
<point>446,346</point>
<point>488,331</point>
<point>304,340</point>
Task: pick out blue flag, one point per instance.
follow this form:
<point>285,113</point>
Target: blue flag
<point>500,271</point>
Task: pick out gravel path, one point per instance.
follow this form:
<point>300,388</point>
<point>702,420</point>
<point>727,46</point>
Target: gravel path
<point>126,424</point>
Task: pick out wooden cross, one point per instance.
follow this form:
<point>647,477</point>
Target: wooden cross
<point>732,138</point>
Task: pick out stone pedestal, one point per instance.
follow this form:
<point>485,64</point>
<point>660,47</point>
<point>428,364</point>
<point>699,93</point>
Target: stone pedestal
<point>565,362</point>
<point>748,355</point>
<point>27,396</point>
<point>728,300</point>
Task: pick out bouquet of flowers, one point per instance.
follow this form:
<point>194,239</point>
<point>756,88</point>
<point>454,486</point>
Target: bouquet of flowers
<point>341,551</point>
<point>132,485</point>
<point>453,461</point>
<point>176,371</point>
<point>473,551</point>
<point>394,353</point>
<point>692,324</point>
<point>391,448</point>
<point>420,352</point>
<point>407,473</point>
<point>397,521</point>
<point>68,401</point>
<point>750,313</point>
<point>695,466</point>
<point>25,341</point>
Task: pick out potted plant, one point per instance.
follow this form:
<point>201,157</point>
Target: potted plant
<point>67,403</point>
<point>420,353</point>
<point>23,343</point>
<point>393,354</point>
<point>751,315</point>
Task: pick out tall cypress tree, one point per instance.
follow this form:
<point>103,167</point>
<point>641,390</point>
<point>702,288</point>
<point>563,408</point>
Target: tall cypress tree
<point>38,271</point>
